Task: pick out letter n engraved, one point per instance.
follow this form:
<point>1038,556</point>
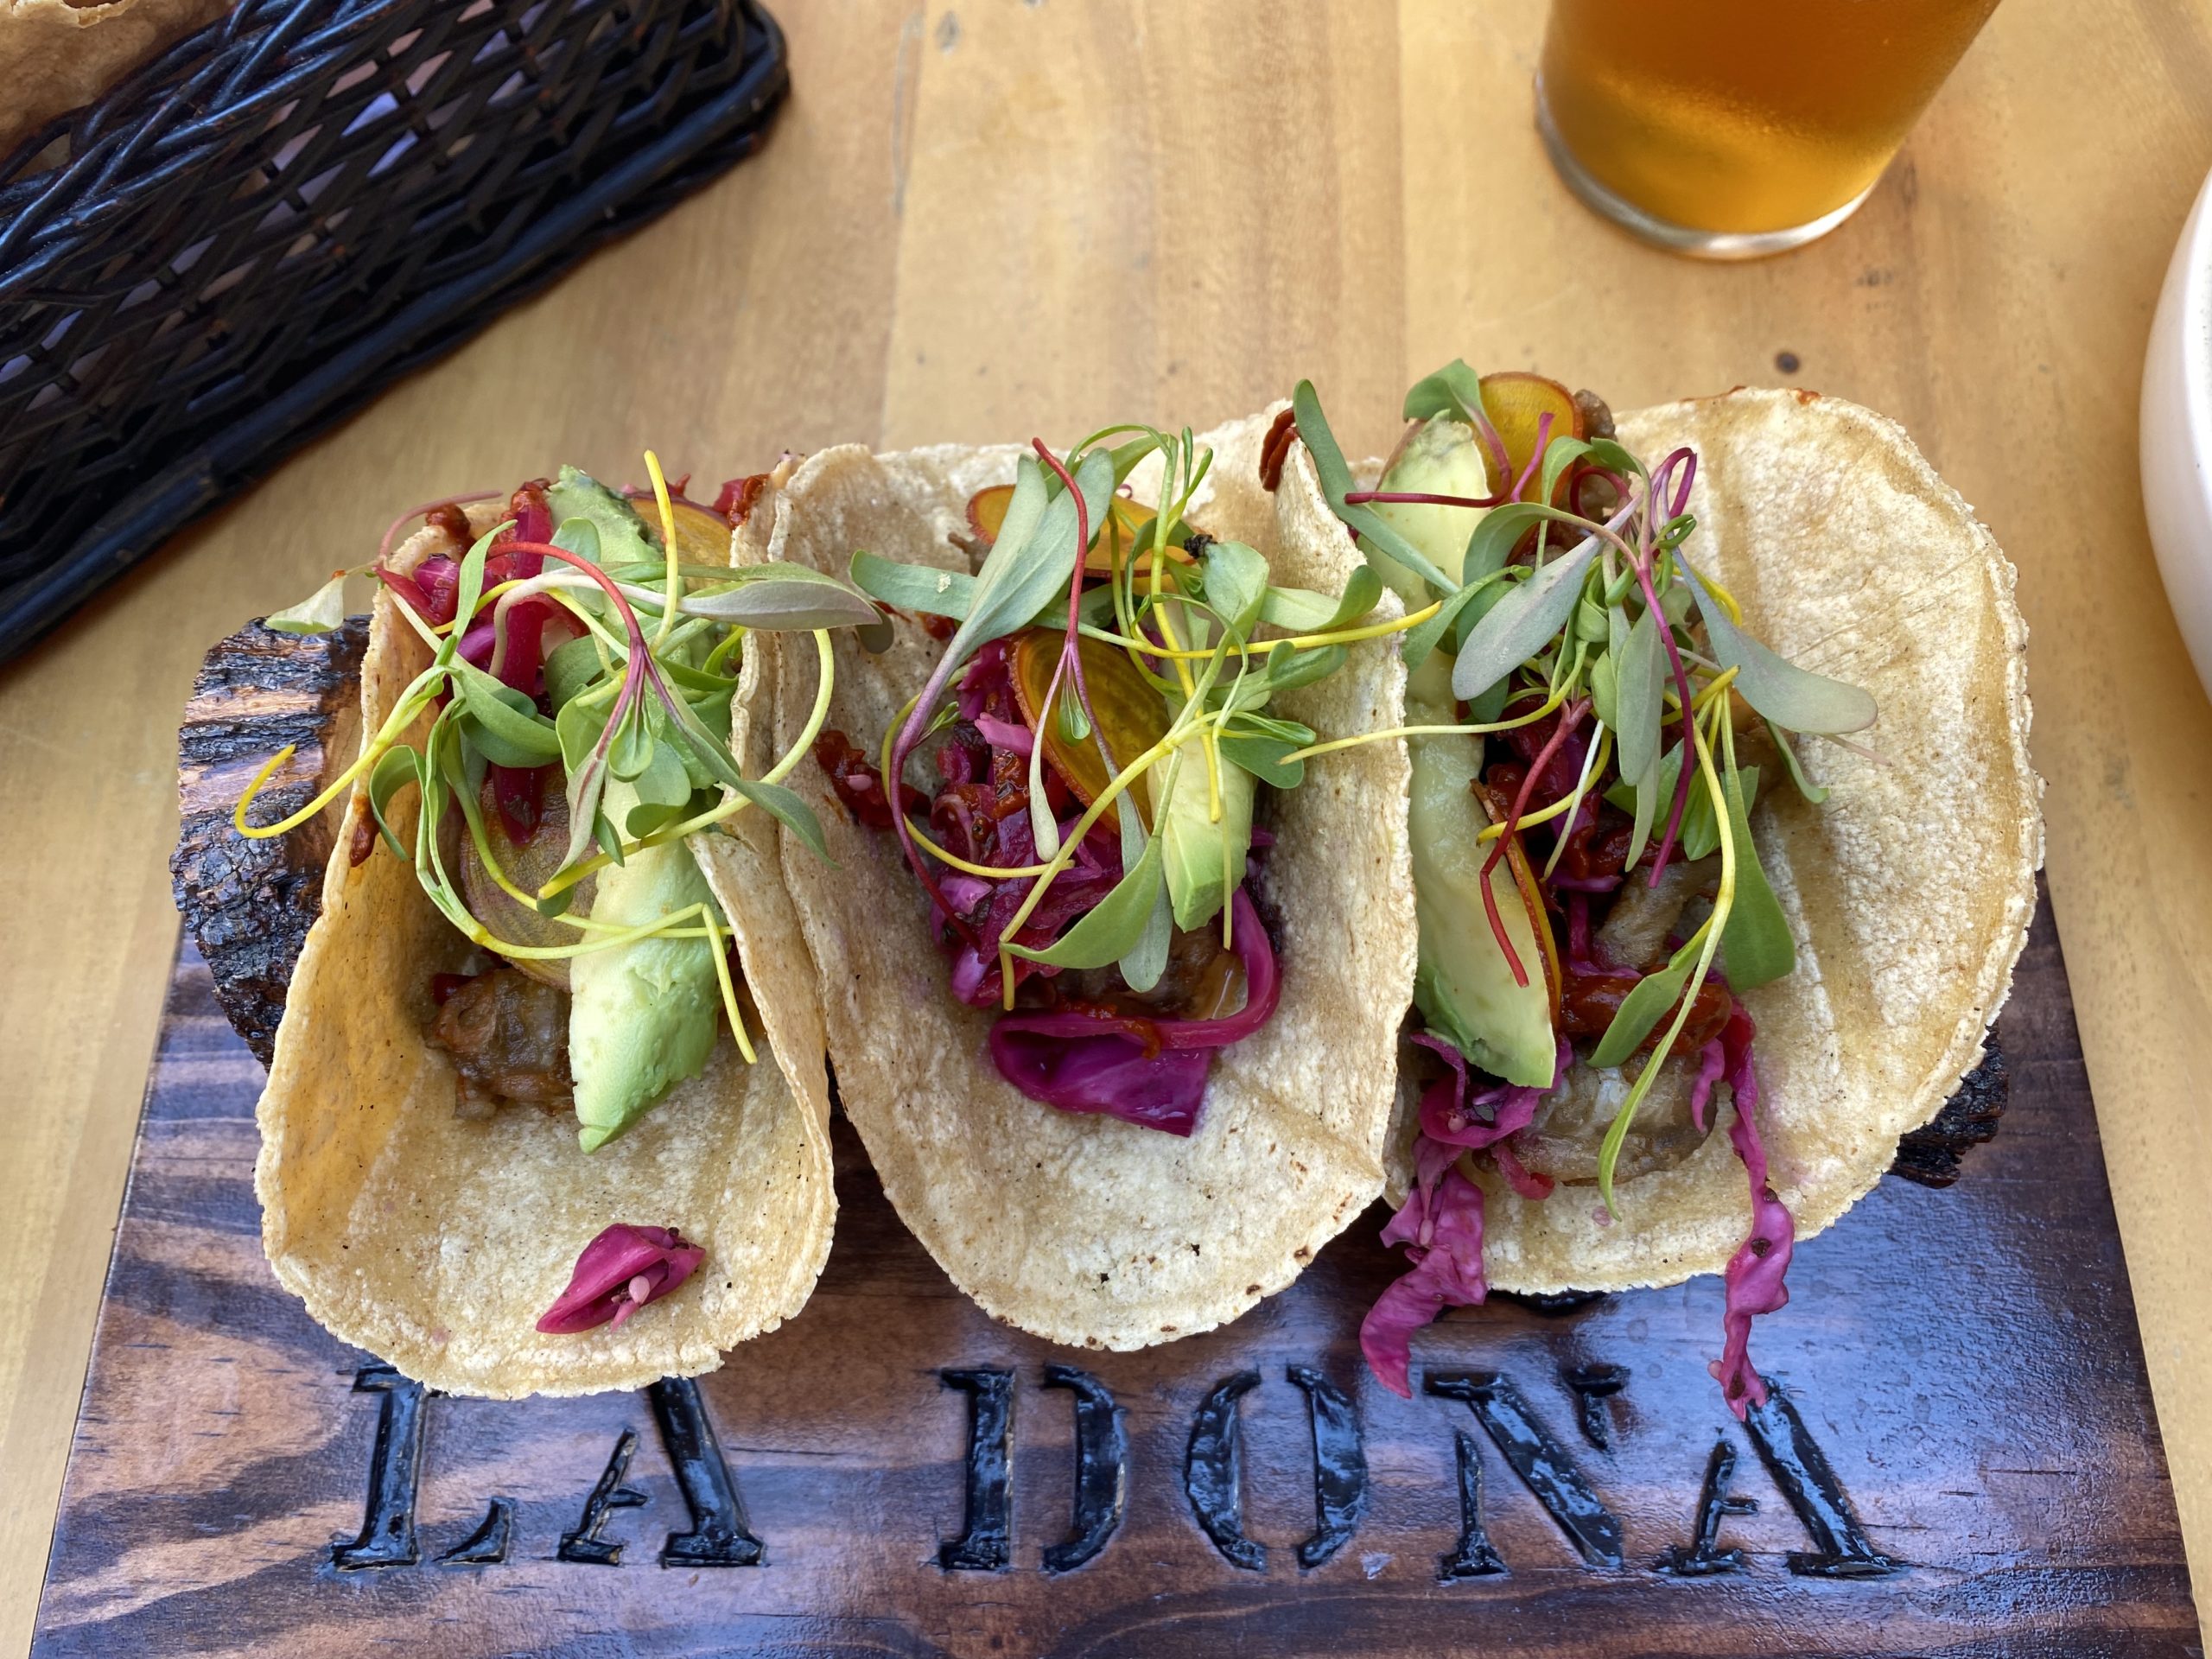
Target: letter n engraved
<point>1543,1467</point>
<point>1842,1549</point>
<point>584,1545</point>
<point>720,1535</point>
<point>1101,1468</point>
<point>1213,1472</point>
<point>1339,1466</point>
<point>1474,1558</point>
<point>1705,1559</point>
<point>395,1461</point>
<point>985,1544</point>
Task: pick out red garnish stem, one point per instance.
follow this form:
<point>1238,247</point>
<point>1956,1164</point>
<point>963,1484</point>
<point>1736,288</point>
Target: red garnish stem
<point>1070,652</point>
<point>1422,499</point>
<point>1570,717</point>
<point>1543,437</point>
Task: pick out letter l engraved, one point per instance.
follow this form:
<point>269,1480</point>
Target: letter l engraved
<point>1842,1549</point>
<point>1543,1467</point>
<point>1705,1559</point>
<point>1339,1466</point>
<point>584,1546</point>
<point>985,1544</point>
<point>395,1461</point>
<point>1101,1468</point>
<point>719,1534</point>
<point>1213,1472</point>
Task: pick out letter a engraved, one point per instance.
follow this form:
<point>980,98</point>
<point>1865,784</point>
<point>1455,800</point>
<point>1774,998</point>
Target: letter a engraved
<point>1842,1549</point>
<point>1213,1472</point>
<point>1339,1466</point>
<point>720,1535</point>
<point>1705,1559</point>
<point>1101,1468</point>
<point>1474,1558</point>
<point>395,1461</point>
<point>985,1544</point>
<point>1543,1467</point>
<point>584,1546</point>
<point>487,1545</point>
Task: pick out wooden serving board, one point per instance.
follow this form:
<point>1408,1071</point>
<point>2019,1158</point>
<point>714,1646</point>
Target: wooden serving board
<point>1961,1459</point>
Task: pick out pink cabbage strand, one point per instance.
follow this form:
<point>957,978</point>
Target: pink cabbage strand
<point>1146,1072</point>
<point>620,1271</point>
<point>1440,1223</point>
<point>1753,1278</point>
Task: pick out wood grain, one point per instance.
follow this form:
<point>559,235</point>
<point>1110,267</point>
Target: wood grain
<point>1964,1361</point>
<point>1038,217</point>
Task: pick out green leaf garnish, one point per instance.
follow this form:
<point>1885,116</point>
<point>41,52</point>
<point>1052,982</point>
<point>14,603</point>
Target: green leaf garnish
<point>1755,941</point>
<point>919,588</point>
<point>1791,697</point>
<point>1116,925</point>
<point>1644,1006</point>
<point>1521,623</point>
<point>321,612</point>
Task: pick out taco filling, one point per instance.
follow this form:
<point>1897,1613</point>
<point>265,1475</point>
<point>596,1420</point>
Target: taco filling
<point>1592,735</point>
<point>564,754</point>
<point>1079,778</point>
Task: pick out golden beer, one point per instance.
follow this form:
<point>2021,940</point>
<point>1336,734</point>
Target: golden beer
<point>1737,127</point>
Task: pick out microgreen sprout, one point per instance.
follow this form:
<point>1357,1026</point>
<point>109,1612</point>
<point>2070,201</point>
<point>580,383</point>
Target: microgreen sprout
<point>1184,613</point>
<point>1610,619</point>
<point>639,693</point>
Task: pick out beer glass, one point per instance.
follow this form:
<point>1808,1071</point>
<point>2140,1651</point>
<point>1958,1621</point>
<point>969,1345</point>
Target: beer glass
<point>1734,128</point>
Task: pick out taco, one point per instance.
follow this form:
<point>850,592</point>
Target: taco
<point>1639,930</point>
<point>1112,989</point>
<point>520,1091</point>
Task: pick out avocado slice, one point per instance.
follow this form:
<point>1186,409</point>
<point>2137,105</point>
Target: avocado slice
<point>624,538</point>
<point>1463,984</point>
<point>643,1016</point>
<point>1439,457</point>
<point>1204,858</point>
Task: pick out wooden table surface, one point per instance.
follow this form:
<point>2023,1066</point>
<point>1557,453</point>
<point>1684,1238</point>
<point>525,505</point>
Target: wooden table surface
<point>996,218</point>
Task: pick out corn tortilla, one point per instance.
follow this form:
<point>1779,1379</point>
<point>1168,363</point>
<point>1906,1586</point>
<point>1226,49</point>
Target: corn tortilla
<point>436,1243</point>
<point>1085,1230</point>
<point>1909,891</point>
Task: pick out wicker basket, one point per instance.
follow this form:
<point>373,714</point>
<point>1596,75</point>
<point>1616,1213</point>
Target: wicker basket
<point>286,211</point>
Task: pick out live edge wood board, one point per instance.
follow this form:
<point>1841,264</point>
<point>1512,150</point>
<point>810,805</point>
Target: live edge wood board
<point>1962,1458</point>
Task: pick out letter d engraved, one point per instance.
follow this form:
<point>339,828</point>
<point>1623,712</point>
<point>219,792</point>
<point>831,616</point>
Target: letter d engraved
<point>720,1535</point>
<point>986,1543</point>
<point>395,1461</point>
<point>1842,1549</point>
<point>1543,1467</point>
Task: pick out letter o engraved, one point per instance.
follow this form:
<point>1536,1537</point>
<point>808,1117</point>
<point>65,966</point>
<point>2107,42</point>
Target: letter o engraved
<point>1213,1473</point>
<point>387,1537</point>
<point>1101,1468</point>
<point>1339,1466</point>
<point>1542,1464</point>
<point>719,1534</point>
<point>985,1544</point>
<point>1841,1548</point>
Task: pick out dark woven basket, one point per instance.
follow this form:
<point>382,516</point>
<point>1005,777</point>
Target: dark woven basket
<point>289,209</point>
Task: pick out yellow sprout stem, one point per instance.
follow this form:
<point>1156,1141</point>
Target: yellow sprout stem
<point>675,583</point>
<point>1715,924</point>
<point>411,703</point>
<point>1313,750</point>
<point>729,990</point>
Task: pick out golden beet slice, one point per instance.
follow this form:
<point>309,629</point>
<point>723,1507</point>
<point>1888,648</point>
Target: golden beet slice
<point>701,534</point>
<point>1516,403</point>
<point>1129,712</point>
